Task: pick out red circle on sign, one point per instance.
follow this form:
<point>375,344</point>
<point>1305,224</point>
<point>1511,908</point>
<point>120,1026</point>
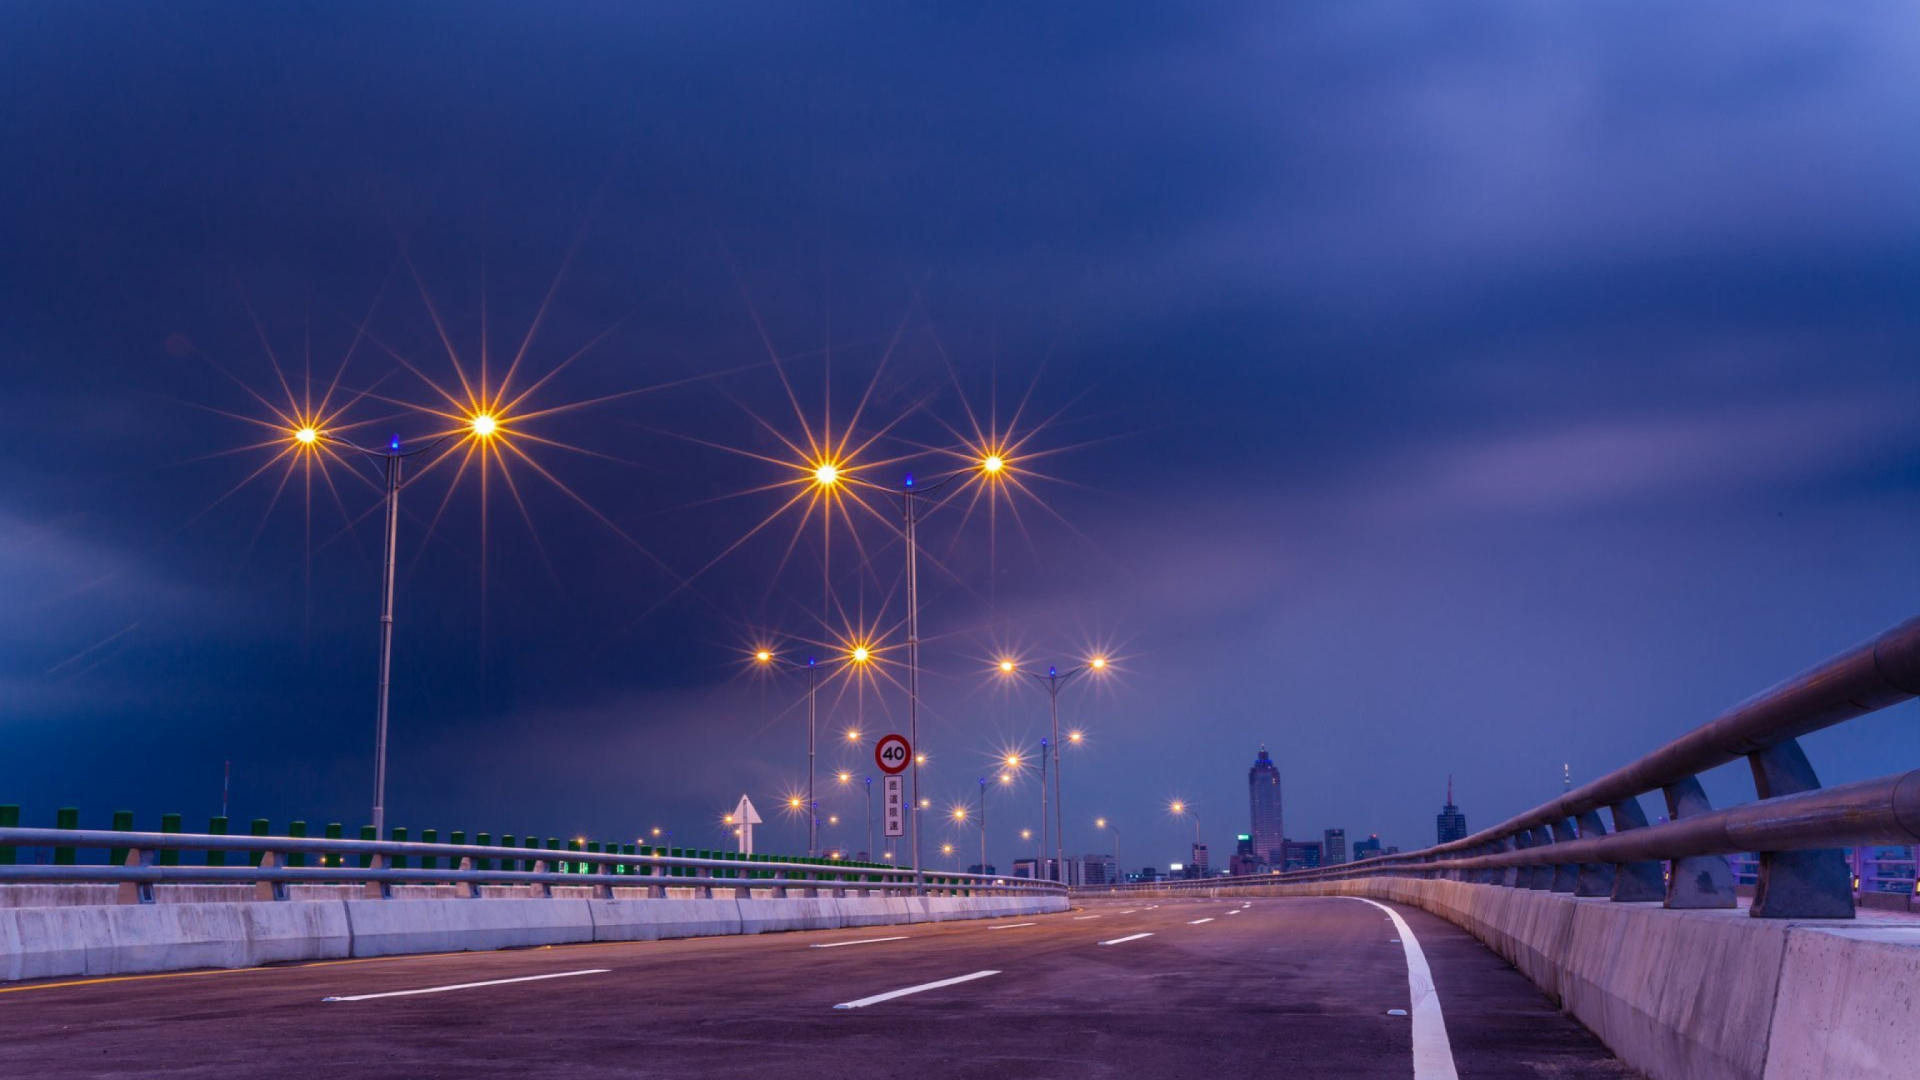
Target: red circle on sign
<point>892,754</point>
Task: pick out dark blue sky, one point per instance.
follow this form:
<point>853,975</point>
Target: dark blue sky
<point>1464,390</point>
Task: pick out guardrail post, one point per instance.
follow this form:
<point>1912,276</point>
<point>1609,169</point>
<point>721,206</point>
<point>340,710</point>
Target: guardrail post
<point>1542,874</point>
<point>1814,884</point>
<point>1596,879</point>
<point>67,817</point>
<point>1565,875</point>
<point>1696,881</point>
<point>1522,876</point>
<point>1635,882</point>
<point>268,890</point>
<point>376,890</point>
<point>260,827</point>
<point>135,892</point>
<point>466,890</point>
<point>122,822</point>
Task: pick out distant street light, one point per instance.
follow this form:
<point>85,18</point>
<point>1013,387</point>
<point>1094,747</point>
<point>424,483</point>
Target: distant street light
<point>1101,823</point>
<point>858,654</point>
<point>1051,682</point>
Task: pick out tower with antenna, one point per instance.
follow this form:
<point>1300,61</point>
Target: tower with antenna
<point>1452,823</point>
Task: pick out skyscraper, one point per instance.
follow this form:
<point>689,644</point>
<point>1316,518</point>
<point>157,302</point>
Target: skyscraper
<point>1336,848</point>
<point>1368,848</point>
<point>1198,867</point>
<point>1263,792</point>
<point>1453,823</point>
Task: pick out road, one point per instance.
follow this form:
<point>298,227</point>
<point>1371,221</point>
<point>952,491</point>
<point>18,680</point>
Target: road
<point>1293,988</point>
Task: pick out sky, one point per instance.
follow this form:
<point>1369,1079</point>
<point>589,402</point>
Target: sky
<point>1481,393</point>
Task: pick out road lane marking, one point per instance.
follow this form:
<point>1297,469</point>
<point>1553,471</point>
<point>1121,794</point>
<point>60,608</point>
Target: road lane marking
<point>1080,918</point>
<point>862,941</point>
<point>469,986</point>
<point>1235,911</point>
<point>1197,922</point>
<point>1432,1052</point>
<point>1122,940</point>
<point>1130,911</point>
<point>891,994</point>
<point>1012,926</point>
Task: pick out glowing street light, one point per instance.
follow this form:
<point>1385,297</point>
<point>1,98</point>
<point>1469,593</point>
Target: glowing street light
<point>483,425</point>
<point>1051,682</point>
<point>1179,809</point>
<point>860,653</point>
<point>307,435</point>
<point>847,778</point>
<point>1101,823</point>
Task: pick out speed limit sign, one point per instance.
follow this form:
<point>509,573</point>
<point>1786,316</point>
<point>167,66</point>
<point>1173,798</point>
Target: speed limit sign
<point>892,754</point>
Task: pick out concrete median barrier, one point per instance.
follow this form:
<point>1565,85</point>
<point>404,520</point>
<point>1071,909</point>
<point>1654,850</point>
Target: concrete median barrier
<point>396,927</point>
<point>1695,995</point>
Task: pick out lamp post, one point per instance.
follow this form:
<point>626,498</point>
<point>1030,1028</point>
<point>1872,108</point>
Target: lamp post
<point>847,778</point>
<point>826,474</point>
<point>309,438</point>
<point>1179,808</point>
<point>1052,681</point>
<point>859,654</point>
<point>1101,823</point>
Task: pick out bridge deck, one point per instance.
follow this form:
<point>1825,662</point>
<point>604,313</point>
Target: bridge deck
<point>1295,987</point>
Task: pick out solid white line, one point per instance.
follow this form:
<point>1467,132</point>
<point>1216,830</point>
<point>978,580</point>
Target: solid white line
<point>1079,918</point>
<point>1235,911</point>
<point>1133,937</point>
<point>891,994</point>
<point>1130,911</point>
<point>1012,925</point>
<point>862,941</point>
<point>1432,1052</point>
<point>468,986</point>
<point>1197,922</point>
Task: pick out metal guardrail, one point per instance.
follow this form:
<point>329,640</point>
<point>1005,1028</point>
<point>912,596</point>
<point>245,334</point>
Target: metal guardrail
<point>1799,829</point>
<point>278,861</point>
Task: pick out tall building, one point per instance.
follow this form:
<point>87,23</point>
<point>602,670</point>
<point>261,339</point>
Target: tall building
<point>1336,847</point>
<point>1263,792</point>
<point>1453,823</point>
<point>1098,870</point>
<point>1303,855</point>
<point>1365,849</point>
<point>1198,867</point>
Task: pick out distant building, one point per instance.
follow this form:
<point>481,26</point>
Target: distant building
<point>1453,823</point>
<point>1368,848</point>
<point>1303,855</point>
<point>1026,868</point>
<point>1263,793</point>
<point>1096,870</point>
<point>1336,847</point>
<point>976,868</point>
<point>1198,867</point>
<point>1147,874</point>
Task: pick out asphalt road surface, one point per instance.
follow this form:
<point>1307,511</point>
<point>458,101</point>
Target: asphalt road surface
<point>1294,988</point>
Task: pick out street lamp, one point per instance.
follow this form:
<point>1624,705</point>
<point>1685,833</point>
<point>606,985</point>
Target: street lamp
<point>827,474</point>
<point>1178,808</point>
<point>1101,823</point>
<point>858,654</point>
<point>1052,681</point>
<point>309,438</point>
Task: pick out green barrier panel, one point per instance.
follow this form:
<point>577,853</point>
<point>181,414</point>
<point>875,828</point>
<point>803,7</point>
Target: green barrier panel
<point>259,828</point>
<point>593,848</point>
<point>429,836</point>
<point>482,840</point>
<point>574,866</point>
<point>217,826</point>
<point>367,833</point>
<point>332,832</point>
<point>459,838</point>
<point>122,822</point>
<point>398,836</point>
<point>677,853</point>
<point>509,840</point>
<point>645,871</point>
<point>67,817</point>
<point>297,830</point>
<point>532,842</point>
<point>9,819</point>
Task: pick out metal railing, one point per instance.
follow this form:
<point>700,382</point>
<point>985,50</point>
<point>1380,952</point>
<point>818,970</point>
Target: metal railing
<point>1799,829</point>
<point>275,862</point>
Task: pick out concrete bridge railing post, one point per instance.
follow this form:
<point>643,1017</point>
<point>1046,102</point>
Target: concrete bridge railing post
<point>1696,881</point>
<point>1634,882</point>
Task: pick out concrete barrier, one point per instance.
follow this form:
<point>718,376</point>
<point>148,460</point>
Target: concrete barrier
<point>65,939</point>
<point>394,927</point>
<point>1696,995</point>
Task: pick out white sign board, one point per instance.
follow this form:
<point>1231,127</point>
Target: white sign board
<point>894,810</point>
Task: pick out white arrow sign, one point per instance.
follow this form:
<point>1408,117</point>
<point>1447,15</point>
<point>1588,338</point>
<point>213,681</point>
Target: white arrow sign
<point>745,817</point>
